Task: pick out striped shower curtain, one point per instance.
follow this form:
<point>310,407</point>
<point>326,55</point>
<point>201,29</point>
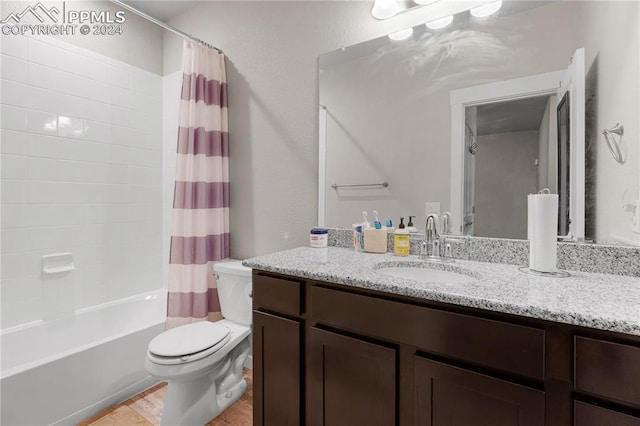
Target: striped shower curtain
<point>200,230</point>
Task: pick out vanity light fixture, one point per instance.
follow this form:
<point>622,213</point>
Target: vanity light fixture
<point>440,23</point>
<point>385,9</point>
<point>401,35</point>
<point>486,9</point>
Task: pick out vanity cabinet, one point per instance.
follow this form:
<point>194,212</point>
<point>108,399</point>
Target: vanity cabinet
<point>329,354</point>
<point>278,350</point>
<point>351,381</point>
<point>592,415</point>
<point>607,372</point>
<point>451,396</point>
<point>447,353</point>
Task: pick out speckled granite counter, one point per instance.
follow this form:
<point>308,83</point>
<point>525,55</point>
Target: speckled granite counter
<point>599,258</point>
<point>605,302</point>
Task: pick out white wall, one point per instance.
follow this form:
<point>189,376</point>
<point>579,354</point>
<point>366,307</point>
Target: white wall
<point>547,168</point>
<point>140,43</point>
<point>81,172</point>
<point>614,25</point>
<point>273,50</point>
<point>501,204</point>
<point>389,114</point>
<point>382,128</point>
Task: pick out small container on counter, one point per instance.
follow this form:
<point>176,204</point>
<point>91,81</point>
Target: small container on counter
<point>319,237</point>
<point>358,237</point>
<point>375,240</point>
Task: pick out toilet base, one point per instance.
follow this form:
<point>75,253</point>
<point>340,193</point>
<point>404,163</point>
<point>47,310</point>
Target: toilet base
<point>195,402</point>
<point>189,413</point>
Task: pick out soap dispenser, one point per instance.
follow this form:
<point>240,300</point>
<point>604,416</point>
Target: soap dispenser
<point>410,227</point>
<point>401,240</point>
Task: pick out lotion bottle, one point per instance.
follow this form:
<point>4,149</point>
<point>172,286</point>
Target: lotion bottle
<point>410,227</point>
<point>401,240</point>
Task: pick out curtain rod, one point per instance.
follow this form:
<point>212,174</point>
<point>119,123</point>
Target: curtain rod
<point>164,25</point>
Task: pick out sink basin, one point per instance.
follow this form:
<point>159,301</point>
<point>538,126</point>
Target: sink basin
<point>428,275</point>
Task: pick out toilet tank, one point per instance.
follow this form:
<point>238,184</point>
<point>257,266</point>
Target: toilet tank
<point>234,290</point>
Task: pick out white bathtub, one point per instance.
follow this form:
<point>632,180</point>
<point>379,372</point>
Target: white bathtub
<point>66,370</point>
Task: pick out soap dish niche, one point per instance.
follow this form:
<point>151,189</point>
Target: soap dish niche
<point>58,263</point>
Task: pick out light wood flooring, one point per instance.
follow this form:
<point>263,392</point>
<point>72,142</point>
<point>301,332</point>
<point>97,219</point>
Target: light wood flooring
<point>144,409</point>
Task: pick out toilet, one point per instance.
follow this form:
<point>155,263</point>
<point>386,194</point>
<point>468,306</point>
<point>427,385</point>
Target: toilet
<point>203,361</point>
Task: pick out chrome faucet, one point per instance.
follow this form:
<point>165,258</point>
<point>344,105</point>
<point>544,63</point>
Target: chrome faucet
<point>431,241</point>
<point>434,240</point>
<point>446,218</point>
<point>431,235</point>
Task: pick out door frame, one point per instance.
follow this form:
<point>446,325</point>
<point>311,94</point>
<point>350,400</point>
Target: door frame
<point>545,84</point>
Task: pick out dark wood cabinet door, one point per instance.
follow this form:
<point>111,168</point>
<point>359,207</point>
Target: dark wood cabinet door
<point>450,396</point>
<point>351,382</point>
<point>591,415</point>
<point>607,369</point>
<point>277,373</point>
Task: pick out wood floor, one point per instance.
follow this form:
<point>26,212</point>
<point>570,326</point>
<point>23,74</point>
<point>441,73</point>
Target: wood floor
<point>144,409</point>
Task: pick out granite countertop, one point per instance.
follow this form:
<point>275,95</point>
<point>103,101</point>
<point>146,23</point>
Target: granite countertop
<point>604,302</point>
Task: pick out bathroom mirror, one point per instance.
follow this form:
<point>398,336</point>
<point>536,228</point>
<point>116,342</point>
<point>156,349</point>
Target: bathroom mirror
<point>386,118</point>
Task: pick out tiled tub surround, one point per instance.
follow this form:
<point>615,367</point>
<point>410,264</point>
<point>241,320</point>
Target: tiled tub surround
<point>81,173</point>
<point>598,258</point>
<point>605,302</point>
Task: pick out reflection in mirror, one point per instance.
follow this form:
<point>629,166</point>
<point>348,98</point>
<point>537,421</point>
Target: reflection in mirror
<point>564,151</point>
<point>511,137</point>
<point>564,84</point>
<point>388,111</point>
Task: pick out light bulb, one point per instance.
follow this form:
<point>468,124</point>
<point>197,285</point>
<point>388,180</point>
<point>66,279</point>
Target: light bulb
<point>401,35</point>
<point>384,9</point>
<point>486,9</point>
<point>440,23</point>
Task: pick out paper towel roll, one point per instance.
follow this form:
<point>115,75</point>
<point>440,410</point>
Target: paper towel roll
<point>542,230</point>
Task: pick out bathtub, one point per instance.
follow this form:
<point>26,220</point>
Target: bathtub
<point>65,370</point>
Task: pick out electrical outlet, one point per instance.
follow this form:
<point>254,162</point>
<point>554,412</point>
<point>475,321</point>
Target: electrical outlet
<point>432,207</point>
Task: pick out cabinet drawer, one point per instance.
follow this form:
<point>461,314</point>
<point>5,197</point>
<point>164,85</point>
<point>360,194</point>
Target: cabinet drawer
<point>591,415</point>
<point>609,369</point>
<point>495,344</point>
<point>277,294</point>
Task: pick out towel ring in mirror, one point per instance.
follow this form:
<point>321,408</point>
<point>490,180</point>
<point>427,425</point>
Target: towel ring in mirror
<point>613,144</point>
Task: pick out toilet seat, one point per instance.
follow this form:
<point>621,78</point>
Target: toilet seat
<point>188,343</point>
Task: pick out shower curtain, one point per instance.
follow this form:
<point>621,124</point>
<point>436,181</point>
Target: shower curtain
<point>200,228</point>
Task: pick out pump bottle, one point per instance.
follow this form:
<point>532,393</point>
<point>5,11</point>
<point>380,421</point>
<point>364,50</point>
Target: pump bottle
<point>401,240</point>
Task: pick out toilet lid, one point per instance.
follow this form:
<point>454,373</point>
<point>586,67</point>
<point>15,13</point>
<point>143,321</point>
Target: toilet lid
<point>188,339</point>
